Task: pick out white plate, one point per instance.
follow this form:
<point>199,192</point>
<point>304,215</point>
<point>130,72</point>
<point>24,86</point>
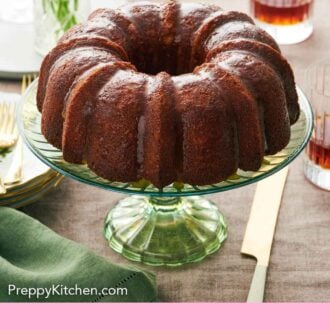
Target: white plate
<point>17,54</point>
<point>30,197</point>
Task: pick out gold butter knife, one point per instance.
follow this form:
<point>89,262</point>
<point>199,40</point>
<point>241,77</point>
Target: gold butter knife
<point>3,189</point>
<point>261,228</point>
<point>15,171</point>
<point>14,174</point>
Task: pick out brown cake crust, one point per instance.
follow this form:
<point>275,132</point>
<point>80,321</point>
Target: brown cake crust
<point>191,17</point>
<point>61,50</point>
<point>169,26</point>
<point>147,20</point>
<point>271,57</point>
<point>79,109</point>
<point>112,137</point>
<point>209,92</point>
<point>237,30</point>
<point>267,87</point>
<point>249,129</point>
<point>158,132</point>
<point>61,78</point>
<point>208,155</point>
<point>109,24</point>
<point>215,20</point>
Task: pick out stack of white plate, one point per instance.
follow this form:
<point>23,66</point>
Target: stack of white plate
<point>38,179</point>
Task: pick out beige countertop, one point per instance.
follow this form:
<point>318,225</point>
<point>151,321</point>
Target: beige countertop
<point>300,264</point>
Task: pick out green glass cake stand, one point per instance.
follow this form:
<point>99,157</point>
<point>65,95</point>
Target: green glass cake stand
<point>171,226</point>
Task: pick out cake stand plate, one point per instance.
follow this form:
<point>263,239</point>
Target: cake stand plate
<point>170,226</point>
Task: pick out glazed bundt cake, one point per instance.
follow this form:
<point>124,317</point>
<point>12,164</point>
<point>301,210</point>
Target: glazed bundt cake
<point>167,92</point>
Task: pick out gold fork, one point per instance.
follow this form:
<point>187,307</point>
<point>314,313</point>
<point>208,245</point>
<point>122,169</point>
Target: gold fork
<point>8,132</point>
<point>14,174</point>
<point>2,187</point>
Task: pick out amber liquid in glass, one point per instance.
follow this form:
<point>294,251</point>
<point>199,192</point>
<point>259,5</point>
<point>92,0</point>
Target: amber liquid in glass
<point>319,154</point>
<point>280,15</point>
<point>318,149</point>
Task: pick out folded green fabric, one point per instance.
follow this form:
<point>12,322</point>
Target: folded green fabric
<point>38,265</point>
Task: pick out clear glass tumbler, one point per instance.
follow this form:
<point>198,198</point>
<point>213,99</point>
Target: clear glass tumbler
<point>288,21</point>
<point>317,156</point>
<point>52,18</point>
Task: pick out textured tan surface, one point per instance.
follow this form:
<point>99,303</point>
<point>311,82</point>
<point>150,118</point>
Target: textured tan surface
<point>300,264</point>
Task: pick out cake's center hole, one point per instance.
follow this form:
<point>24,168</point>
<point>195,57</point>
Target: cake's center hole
<point>153,61</point>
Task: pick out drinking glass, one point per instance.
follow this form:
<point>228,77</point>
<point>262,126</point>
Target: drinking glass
<point>288,21</point>
<point>52,18</point>
<point>317,156</point>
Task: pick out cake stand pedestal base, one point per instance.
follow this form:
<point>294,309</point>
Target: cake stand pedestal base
<point>165,230</point>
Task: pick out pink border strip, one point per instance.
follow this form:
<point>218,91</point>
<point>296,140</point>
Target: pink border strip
<point>160,316</point>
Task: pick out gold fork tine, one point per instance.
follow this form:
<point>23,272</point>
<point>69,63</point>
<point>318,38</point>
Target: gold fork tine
<point>2,109</point>
<point>27,80</point>
<point>24,83</point>
<point>5,118</point>
<point>3,189</point>
<point>8,133</point>
<point>2,117</point>
<point>12,119</point>
<point>7,125</point>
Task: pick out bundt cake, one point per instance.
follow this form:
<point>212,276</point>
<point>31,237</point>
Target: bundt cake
<point>167,92</point>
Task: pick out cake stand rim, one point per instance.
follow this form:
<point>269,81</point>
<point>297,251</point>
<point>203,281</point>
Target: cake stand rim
<point>198,190</point>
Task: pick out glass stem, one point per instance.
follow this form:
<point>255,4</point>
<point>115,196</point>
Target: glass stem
<point>165,204</point>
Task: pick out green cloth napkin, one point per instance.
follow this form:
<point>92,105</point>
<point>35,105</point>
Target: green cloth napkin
<point>33,257</point>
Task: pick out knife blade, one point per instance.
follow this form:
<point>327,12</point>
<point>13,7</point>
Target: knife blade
<point>260,229</point>
<point>3,189</point>
<point>14,173</point>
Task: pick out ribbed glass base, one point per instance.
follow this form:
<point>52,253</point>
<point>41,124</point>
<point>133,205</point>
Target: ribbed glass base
<point>164,230</point>
<point>316,174</point>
